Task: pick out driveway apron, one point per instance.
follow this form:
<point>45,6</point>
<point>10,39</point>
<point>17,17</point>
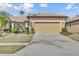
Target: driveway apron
<point>50,45</point>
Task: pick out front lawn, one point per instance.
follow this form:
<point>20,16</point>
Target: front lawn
<point>16,38</point>
<point>74,36</point>
<point>10,49</point>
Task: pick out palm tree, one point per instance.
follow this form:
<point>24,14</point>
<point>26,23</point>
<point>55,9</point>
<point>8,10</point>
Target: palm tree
<point>4,17</point>
<point>22,12</point>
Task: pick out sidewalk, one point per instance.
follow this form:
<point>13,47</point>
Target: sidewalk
<point>14,43</point>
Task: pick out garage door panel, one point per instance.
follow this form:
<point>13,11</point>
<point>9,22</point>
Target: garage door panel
<point>47,28</point>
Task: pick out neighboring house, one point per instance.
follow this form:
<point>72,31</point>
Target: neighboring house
<point>17,21</point>
<point>47,23</point>
<point>73,26</point>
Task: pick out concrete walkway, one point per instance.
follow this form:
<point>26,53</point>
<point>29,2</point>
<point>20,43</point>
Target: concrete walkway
<point>50,45</point>
<point>14,44</point>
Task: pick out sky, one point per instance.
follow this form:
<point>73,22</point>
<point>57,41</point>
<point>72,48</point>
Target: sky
<point>68,9</point>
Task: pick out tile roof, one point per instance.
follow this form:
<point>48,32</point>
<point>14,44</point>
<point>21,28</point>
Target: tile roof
<point>73,19</point>
<point>46,14</point>
<point>49,14</point>
<point>18,18</point>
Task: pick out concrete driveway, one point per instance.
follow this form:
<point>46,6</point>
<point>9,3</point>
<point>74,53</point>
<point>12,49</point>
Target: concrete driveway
<point>50,45</point>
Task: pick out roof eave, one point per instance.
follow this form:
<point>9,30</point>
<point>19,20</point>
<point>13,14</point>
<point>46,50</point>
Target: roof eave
<point>72,21</point>
<point>47,16</point>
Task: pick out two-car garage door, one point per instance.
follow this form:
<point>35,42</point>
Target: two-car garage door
<point>47,27</point>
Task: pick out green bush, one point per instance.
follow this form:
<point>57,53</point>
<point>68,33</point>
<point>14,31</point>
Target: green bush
<point>32,31</point>
<point>65,31</point>
<point>27,30</point>
<point>13,30</point>
<point>7,30</point>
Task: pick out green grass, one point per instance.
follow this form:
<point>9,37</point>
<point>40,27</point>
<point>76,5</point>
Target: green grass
<point>74,36</point>
<point>65,32</point>
<point>10,49</point>
<point>16,38</point>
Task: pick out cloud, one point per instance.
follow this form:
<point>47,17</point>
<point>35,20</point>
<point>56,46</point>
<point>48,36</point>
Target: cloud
<point>25,6</point>
<point>20,7</point>
<point>70,7</point>
<point>5,5</point>
<point>75,7</point>
<point>16,8</point>
<point>43,5</point>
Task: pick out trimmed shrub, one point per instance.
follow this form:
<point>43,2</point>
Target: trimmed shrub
<point>14,30</point>
<point>32,31</point>
<point>7,30</point>
<point>27,30</point>
<point>65,31</point>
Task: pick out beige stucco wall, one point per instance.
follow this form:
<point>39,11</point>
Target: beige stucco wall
<point>73,28</point>
<point>62,22</point>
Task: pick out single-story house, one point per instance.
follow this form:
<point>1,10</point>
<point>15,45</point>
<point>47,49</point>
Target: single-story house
<point>47,23</point>
<point>42,23</point>
<point>73,26</point>
<point>17,22</point>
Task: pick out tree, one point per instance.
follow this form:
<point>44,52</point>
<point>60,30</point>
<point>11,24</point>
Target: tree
<point>21,12</point>
<point>4,17</point>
